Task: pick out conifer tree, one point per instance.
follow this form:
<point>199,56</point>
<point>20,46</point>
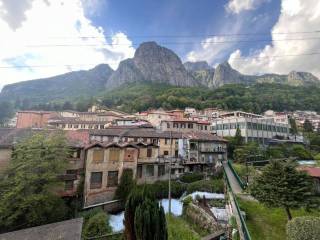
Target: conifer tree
<point>125,186</point>
<point>144,218</point>
<point>281,185</point>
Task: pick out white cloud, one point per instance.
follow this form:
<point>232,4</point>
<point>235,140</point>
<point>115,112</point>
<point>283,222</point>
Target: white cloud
<point>296,16</point>
<point>237,6</point>
<point>27,36</point>
<point>213,48</point>
<point>208,50</point>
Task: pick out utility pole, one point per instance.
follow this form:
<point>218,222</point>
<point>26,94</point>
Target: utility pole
<point>170,158</point>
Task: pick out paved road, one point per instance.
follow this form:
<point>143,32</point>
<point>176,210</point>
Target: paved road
<point>232,179</point>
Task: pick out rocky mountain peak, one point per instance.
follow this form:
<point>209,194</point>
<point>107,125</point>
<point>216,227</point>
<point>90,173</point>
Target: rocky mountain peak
<point>153,63</point>
<point>197,66</point>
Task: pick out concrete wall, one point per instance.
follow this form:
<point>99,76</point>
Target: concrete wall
<point>5,156</point>
<point>33,119</point>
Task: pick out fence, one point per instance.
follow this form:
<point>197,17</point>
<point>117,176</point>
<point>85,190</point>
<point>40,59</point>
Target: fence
<point>239,180</point>
<point>243,226</point>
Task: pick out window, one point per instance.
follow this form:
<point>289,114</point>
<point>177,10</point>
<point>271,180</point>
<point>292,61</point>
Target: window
<point>190,125</point>
<point>101,126</point>
<point>168,125</point>
<point>98,155</point>
<point>139,171</point>
<point>175,125</point>
<point>205,127</point>
<point>166,141</point>
<point>112,179</point>
<point>166,153</point>
<point>150,170</point>
<point>183,125</point>
<point>96,180</point>
<point>76,126</point>
<point>68,185</point>
<point>154,141</point>
<point>149,152</point>
<point>161,170</point>
<point>176,153</point>
<point>114,154</point>
<point>71,172</point>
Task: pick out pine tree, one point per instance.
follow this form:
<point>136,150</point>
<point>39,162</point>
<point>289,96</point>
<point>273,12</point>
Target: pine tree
<point>281,185</point>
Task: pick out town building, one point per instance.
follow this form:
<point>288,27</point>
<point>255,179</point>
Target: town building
<point>34,119</point>
<point>253,127</point>
<point>156,116</point>
<point>184,125</point>
<point>279,117</point>
<point>106,163</point>
<point>150,154</point>
<point>314,173</point>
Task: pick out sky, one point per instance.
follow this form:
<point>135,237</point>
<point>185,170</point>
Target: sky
<point>42,38</point>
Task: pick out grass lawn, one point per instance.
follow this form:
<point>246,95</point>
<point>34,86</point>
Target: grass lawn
<point>268,223</point>
<point>179,229</point>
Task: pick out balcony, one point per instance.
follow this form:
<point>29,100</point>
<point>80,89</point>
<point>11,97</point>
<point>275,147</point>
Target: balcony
<point>213,150</point>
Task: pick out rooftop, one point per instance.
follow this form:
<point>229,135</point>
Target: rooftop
<point>65,230</point>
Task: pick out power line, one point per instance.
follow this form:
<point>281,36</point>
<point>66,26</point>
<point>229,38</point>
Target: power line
<point>194,35</point>
<point>172,43</point>
<point>94,64</point>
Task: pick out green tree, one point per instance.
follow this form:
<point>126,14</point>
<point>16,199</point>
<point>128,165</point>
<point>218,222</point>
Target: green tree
<point>281,185</point>
<point>303,228</point>
<point>125,186</point>
<point>144,218</point>
<point>238,139</point>
<point>293,126</point>
<point>96,224</point>
<point>27,193</point>
<point>307,126</point>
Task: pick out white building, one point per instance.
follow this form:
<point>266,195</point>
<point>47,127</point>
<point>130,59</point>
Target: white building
<point>253,127</point>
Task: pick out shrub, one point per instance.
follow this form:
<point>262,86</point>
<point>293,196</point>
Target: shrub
<point>317,157</point>
<point>191,177</point>
<point>96,224</point>
<point>187,200</point>
<point>300,152</point>
<point>215,185</point>
<point>303,228</point>
<point>161,189</point>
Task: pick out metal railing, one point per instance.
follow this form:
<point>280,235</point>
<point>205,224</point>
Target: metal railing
<point>239,180</point>
<point>243,226</point>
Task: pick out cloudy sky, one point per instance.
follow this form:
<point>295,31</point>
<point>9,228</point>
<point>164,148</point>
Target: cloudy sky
<point>41,38</point>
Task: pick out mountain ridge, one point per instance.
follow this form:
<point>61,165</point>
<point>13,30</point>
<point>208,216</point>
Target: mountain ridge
<point>151,63</point>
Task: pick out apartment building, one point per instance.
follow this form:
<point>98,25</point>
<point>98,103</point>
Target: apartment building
<point>106,162</point>
<point>202,151</point>
<point>253,127</point>
<point>184,125</point>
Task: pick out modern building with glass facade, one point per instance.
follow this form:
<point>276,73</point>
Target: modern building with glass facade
<point>253,127</point>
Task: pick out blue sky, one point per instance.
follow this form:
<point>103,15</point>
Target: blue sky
<point>145,20</point>
<point>43,38</point>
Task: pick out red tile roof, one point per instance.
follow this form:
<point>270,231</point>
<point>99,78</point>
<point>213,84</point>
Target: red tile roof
<point>312,171</point>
